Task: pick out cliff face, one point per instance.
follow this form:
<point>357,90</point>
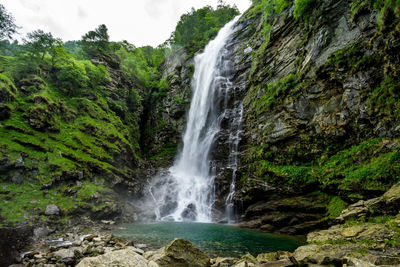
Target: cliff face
<point>321,114</point>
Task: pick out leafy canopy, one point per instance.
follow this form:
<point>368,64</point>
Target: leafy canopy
<point>197,27</point>
<point>7,24</point>
<point>96,42</point>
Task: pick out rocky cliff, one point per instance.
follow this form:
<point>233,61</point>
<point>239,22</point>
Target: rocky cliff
<point>321,112</point>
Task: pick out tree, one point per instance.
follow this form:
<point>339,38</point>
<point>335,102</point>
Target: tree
<point>39,43</point>
<point>96,42</point>
<point>7,24</point>
<point>196,28</point>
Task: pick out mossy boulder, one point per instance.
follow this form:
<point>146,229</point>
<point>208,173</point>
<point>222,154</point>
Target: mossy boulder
<point>40,118</point>
<point>180,253</point>
<point>32,84</point>
<point>8,90</point>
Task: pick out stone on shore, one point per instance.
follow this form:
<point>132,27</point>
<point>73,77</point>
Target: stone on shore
<point>179,253</point>
<point>125,257</point>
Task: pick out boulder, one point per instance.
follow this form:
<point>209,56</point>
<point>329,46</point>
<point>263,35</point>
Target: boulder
<point>246,260</point>
<point>224,262</point>
<point>41,232</point>
<point>267,257</point>
<point>180,253</point>
<point>52,210</point>
<point>125,257</point>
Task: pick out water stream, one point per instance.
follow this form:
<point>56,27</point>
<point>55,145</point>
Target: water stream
<point>186,191</point>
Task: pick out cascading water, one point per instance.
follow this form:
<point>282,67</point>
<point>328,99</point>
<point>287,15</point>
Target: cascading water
<point>235,131</point>
<point>187,191</point>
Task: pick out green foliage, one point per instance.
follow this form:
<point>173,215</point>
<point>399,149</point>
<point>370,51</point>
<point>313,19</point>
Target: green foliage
<point>7,88</point>
<point>303,8</point>
<point>335,207</point>
<point>39,43</point>
<point>281,174</point>
<point>272,92</point>
<point>96,42</point>
<point>385,99</point>
<point>197,27</point>
<point>71,77</point>
<point>7,24</point>
<point>367,166</point>
<point>141,63</point>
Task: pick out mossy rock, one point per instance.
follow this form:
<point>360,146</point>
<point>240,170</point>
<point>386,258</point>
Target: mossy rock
<point>8,91</point>
<point>40,118</point>
<point>32,84</point>
<point>181,253</point>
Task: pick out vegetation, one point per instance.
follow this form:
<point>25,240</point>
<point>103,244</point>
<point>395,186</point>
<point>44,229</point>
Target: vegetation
<point>7,24</point>
<point>197,27</point>
<point>303,8</point>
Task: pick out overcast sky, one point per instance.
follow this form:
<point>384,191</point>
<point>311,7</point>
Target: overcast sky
<point>140,22</point>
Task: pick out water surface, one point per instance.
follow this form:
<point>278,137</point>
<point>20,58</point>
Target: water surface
<point>214,239</point>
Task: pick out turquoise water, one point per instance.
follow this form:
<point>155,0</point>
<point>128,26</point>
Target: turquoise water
<point>215,239</point>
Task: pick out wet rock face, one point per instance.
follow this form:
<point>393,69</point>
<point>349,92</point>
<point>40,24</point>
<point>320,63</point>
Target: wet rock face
<point>190,213</point>
<point>164,116</point>
<point>12,240</point>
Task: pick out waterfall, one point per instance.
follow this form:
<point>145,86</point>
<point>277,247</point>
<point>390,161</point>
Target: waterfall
<point>187,191</point>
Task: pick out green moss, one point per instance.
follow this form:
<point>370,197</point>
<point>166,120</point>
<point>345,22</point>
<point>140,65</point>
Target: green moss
<point>304,8</point>
<point>275,91</point>
<point>7,87</point>
<point>367,166</point>
<point>335,207</point>
<point>385,99</point>
<point>168,151</point>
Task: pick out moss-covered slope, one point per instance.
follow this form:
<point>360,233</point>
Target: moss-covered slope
<point>67,148</point>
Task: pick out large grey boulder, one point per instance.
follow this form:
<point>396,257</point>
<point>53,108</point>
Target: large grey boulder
<point>52,210</point>
<point>180,253</point>
<point>125,257</point>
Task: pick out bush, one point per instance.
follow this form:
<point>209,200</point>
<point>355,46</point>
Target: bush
<point>303,8</point>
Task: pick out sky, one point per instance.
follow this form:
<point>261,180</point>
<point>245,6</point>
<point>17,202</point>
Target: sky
<point>140,22</point>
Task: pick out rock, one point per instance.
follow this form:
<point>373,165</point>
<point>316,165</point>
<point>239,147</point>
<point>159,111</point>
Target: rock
<point>224,262</point>
<point>19,162</point>
<point>125,257</point>
<point>138,250</point>
<point>88,237</point>
<point>17,177</point>
<point>52,210</point>
<point>64,253</point>
<point>279,263</point>
<point>41,232</point>
<point>392,196</point>
<point>267,257</point>
<point>373,232</point>
<point>180,253</point>
<point>141,245</point>
<point>190,213</point>
<point>246,260</point>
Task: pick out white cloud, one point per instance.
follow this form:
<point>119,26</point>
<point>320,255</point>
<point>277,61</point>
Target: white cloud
<point>141,22</point>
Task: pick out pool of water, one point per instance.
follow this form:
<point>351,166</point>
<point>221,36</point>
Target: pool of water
<point>215,239</point>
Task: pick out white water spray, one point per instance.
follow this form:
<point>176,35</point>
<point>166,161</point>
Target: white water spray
<point>188,191</point>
